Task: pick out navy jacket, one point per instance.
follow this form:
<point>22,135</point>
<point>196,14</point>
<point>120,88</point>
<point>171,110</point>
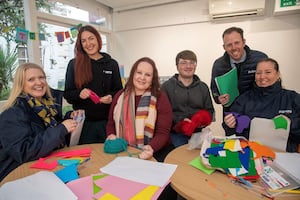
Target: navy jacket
<point>246,71</point>
<point>268,103</point>
<point>24,137</point>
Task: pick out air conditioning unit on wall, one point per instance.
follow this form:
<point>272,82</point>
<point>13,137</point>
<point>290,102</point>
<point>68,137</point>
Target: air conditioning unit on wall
<point>220,9</point>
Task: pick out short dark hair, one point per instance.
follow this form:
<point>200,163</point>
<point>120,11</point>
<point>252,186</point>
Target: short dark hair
<point>187,55</point>
<point>233,29</point>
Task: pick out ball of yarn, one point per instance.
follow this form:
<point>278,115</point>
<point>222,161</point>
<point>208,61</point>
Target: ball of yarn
<point>115,146</point>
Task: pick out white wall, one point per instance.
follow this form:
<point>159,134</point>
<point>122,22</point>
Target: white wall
<point>161,32</point>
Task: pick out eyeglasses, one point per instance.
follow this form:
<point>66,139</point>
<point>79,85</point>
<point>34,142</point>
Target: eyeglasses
<point>185,63</point>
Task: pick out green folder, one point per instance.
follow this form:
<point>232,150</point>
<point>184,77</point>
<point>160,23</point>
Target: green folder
<point>228,84</point>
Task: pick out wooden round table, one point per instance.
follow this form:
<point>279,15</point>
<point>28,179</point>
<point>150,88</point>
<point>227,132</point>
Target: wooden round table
<point>192,183</point>
<point>98,160</point>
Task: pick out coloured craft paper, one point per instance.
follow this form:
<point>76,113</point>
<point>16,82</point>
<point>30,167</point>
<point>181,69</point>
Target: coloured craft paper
<point>264,131</point>
<point>126,189</point>
<point>243,121</point>
<point>50,165</point>
<point>67,162</point>
<point>143,171</point>
<point>41,185</point>
<point>198,164</point>
<point>84,152</point>
<point>68,173</point>
<point>112,186</point>
<point>43,164</point>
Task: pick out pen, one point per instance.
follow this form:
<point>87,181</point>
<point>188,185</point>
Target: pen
<point>296,191</point>
<point>84,161</point>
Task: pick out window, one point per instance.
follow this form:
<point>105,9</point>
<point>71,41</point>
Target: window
<point>56,55</point>
<point>94,15</point>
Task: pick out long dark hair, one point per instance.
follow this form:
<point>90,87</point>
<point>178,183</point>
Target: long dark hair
<point>155,86</point>
<point>83,66</point>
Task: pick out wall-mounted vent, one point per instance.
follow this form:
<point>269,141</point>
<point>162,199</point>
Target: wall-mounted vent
<point>219,9</point>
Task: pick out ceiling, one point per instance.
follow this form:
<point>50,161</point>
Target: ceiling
<point>121,5</point>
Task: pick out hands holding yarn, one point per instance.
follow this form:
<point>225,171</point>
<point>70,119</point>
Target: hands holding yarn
<point>113,144</point>
<point>111,137</point>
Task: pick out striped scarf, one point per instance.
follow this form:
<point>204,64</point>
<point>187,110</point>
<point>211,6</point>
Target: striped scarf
<point>45,109</point>
<point>137,128</point>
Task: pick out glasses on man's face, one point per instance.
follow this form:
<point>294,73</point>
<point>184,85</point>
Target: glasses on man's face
<point>186,63</point>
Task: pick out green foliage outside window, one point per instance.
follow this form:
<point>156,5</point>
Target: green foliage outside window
<point>11,17</point>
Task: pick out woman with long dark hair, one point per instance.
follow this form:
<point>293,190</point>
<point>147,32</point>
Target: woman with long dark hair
<point>92,79</point>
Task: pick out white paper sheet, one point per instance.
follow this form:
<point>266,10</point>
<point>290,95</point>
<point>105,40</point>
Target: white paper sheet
<point>263,130</point>
<point>41,185</point>
<point>75,135</point>
<point>142,171</point>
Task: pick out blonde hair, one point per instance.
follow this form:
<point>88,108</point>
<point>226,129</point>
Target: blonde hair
<point>18,84</point>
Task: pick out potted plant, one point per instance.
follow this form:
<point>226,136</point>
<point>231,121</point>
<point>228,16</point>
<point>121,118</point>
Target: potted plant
<point>8,64</point>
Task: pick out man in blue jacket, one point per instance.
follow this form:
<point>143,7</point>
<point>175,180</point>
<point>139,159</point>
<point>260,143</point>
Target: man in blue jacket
<point>237,54</point>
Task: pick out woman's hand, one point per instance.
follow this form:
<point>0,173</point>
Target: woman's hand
<point>76,113</point>
<point>70,125</point>
<point>230,121</point>
<point>111,137</point>
<point>106,99</point>
<point>147,152</point>
<point>85,93</point>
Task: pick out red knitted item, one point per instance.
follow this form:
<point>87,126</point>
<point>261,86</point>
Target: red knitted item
<point>201,118</point>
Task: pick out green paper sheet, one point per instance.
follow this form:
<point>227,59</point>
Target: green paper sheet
<point>198,164</point>
<point>280,122</point>
<point>228,84</point>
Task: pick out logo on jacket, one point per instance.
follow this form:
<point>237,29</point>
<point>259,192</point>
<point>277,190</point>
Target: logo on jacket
<point>285,111</point>
<point>107,72</point>
<point>251,71</point>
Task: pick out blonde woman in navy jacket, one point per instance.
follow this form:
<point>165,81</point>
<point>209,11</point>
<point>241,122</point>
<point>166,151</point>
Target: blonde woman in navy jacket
<point>267,99</point>
<point>30,123</point>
